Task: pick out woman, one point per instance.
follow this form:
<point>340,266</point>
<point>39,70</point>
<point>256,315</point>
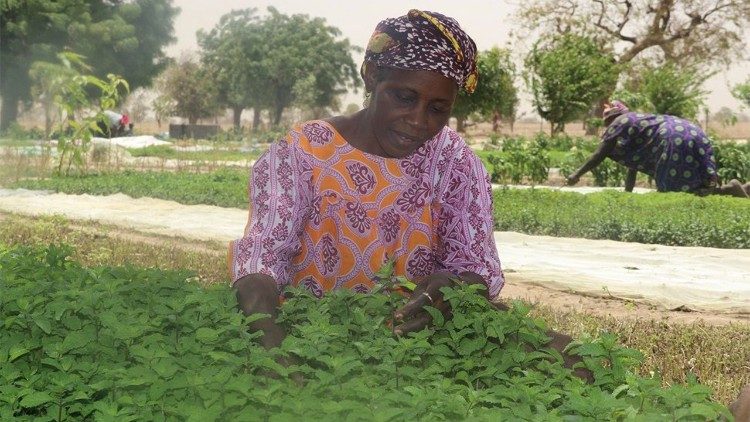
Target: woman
<point>673,151</point>
<point>338,198</point>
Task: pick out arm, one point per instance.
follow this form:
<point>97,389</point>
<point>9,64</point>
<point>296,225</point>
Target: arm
<point>259,262</point>
<point>256,293</point>
<point>630,180</point>
<point>604,149</point>
<point>465,244</point>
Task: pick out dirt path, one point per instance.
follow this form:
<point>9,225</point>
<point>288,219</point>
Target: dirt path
<point>595,276</point>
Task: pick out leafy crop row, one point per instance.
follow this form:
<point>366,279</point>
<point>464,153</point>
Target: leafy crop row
<point>142,344</point>
<point>225,187</point>
<point>664,218</point>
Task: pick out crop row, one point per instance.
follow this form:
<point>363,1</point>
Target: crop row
<point>122,343</point>
<point>662,218</point>
<point>677,219</point>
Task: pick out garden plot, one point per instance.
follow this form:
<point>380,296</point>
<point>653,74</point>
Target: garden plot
<point>705,279</point>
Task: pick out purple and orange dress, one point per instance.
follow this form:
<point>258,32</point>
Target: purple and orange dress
<point>325,215</point>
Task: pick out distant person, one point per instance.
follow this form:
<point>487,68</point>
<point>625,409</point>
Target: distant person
<point>675,152</point>
<point>116,124</point>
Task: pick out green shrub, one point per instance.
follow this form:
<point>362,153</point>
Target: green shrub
<point>732,162</point>
<point>664,218</point>
<point>121,343</point>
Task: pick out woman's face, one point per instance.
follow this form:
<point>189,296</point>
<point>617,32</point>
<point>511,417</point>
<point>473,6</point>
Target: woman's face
<point>407,108</point>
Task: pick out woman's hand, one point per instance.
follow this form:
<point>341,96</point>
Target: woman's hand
<point>572,179</point>
<point>412,316</point>
<point>256,293</point>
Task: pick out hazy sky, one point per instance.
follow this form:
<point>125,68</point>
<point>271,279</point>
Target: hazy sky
<point>488,22</point>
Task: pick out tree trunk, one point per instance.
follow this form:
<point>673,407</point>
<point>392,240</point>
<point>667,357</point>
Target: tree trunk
<point>192,121</point>
<point>277,114</point>
<point>237,113</point>
<point>460,124</point>
<point>9,111</point>
<point>256,119</point>
<point>495,121</point>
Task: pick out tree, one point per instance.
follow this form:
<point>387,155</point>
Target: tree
<point>706,32</point>
<point>672,90</point>
<point>700,33</point>
<point>495,95</point>
<point>187,90</point>
<point>566,75</point>
<point>298,46</point>
<point>116,36</point>
<point>233,51</point>
<point>742,92</point>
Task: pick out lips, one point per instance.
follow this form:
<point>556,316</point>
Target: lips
<point>404,138</point>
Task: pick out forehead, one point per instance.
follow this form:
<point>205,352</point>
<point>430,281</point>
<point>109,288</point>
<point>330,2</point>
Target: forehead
<point>424,82</point>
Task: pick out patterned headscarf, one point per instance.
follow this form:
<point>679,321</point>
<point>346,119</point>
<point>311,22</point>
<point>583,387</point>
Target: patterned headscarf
<point>425,41</point>
<point>616,108</point>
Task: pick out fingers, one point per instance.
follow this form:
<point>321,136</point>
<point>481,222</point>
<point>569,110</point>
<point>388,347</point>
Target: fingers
<point>414,306</point>
<point>415,324</point>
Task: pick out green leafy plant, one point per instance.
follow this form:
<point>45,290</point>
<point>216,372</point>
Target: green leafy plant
<point>125,343</point>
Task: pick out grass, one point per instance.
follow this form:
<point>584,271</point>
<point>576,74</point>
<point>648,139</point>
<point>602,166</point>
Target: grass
<point>168,152</point>
<point>718,355</point>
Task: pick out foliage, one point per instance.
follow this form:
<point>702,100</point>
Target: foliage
<point>186,89</point>
<point>168,152</point>
<point>566,75</point>
<point>687,32</point>
<point>225,188</point>
<point>712,221</point>
<point>520,160</point>
<point>118,37</point>
<point>16,132</point>
<point>278,60</point>
<point>234,51</point>
<point>121,343</point>
<point>742,92</point>
<point>607,173</point>
<point>732,162</point>
<point>67,85</point>
<point>495,94</point>
<point>674,90</point>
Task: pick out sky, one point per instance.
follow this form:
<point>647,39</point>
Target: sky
<point>489,22</point>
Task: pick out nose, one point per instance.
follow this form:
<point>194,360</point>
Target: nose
<point>417,116</point>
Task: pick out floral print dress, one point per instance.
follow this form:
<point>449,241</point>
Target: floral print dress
<point>325,215</point>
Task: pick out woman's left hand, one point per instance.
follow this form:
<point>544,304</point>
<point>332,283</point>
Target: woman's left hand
<point>412,316</point>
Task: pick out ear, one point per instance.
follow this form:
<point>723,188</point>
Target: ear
<point>370,76</point>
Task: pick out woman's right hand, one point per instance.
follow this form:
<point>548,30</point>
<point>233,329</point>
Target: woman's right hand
<point>258,294</point>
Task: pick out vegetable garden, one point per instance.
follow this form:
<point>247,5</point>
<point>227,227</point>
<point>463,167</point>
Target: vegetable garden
<point>121,343</point>
<point>94,341</point>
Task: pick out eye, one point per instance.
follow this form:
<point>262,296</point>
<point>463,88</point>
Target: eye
<point>404,96</point>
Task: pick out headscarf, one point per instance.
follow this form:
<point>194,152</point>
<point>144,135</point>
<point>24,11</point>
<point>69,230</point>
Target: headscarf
<point>425,41</point>
<point>616,108</point>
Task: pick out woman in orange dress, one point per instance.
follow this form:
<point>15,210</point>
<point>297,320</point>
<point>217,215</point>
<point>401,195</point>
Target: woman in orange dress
<point>336,199</point>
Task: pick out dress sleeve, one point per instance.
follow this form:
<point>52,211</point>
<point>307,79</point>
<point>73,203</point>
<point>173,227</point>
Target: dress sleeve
<point>278,208</point>
<point>465,238</point>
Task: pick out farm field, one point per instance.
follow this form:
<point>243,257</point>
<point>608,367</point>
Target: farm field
<point>144,343</point>
<point>720,336</point>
